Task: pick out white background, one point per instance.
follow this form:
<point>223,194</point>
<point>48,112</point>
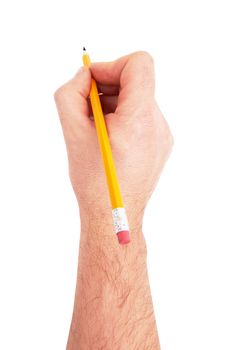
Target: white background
<point>188,223</point>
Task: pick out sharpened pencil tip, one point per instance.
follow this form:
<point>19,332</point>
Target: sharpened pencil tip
<point>84,49</point>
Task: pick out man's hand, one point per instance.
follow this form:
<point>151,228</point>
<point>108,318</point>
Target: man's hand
<point>113,307</point>
<point>138,133</point>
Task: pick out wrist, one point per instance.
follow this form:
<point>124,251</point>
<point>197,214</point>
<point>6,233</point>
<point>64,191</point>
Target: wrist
<point>98,224</point>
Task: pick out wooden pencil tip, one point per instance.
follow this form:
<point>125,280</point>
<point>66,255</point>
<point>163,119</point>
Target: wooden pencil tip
<point>84,49</point>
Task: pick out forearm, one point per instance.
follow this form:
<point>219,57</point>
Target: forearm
<point>113,307</point>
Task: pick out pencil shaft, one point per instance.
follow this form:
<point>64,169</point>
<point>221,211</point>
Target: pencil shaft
<point>103,139</point>
<point>118,212</point>
<point>105,148</point>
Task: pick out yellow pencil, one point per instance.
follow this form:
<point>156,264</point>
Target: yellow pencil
<point>118,211</point>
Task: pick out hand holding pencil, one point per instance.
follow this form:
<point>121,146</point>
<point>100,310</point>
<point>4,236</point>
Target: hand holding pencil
<point>115,160</point>
<point>135,127</point>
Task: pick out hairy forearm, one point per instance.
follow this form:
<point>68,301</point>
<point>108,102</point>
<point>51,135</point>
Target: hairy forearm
<point>113,307</point>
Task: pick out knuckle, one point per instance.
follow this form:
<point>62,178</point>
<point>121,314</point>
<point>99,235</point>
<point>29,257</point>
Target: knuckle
<point>61,92</point>
<point>145,57</point>
<point>164,132</point>
<point>168,137</point>
<point>171,139</point>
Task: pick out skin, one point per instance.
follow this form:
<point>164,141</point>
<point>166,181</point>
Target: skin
<point>113,306</point>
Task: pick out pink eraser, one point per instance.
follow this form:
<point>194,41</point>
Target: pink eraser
<point>123,237</point>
